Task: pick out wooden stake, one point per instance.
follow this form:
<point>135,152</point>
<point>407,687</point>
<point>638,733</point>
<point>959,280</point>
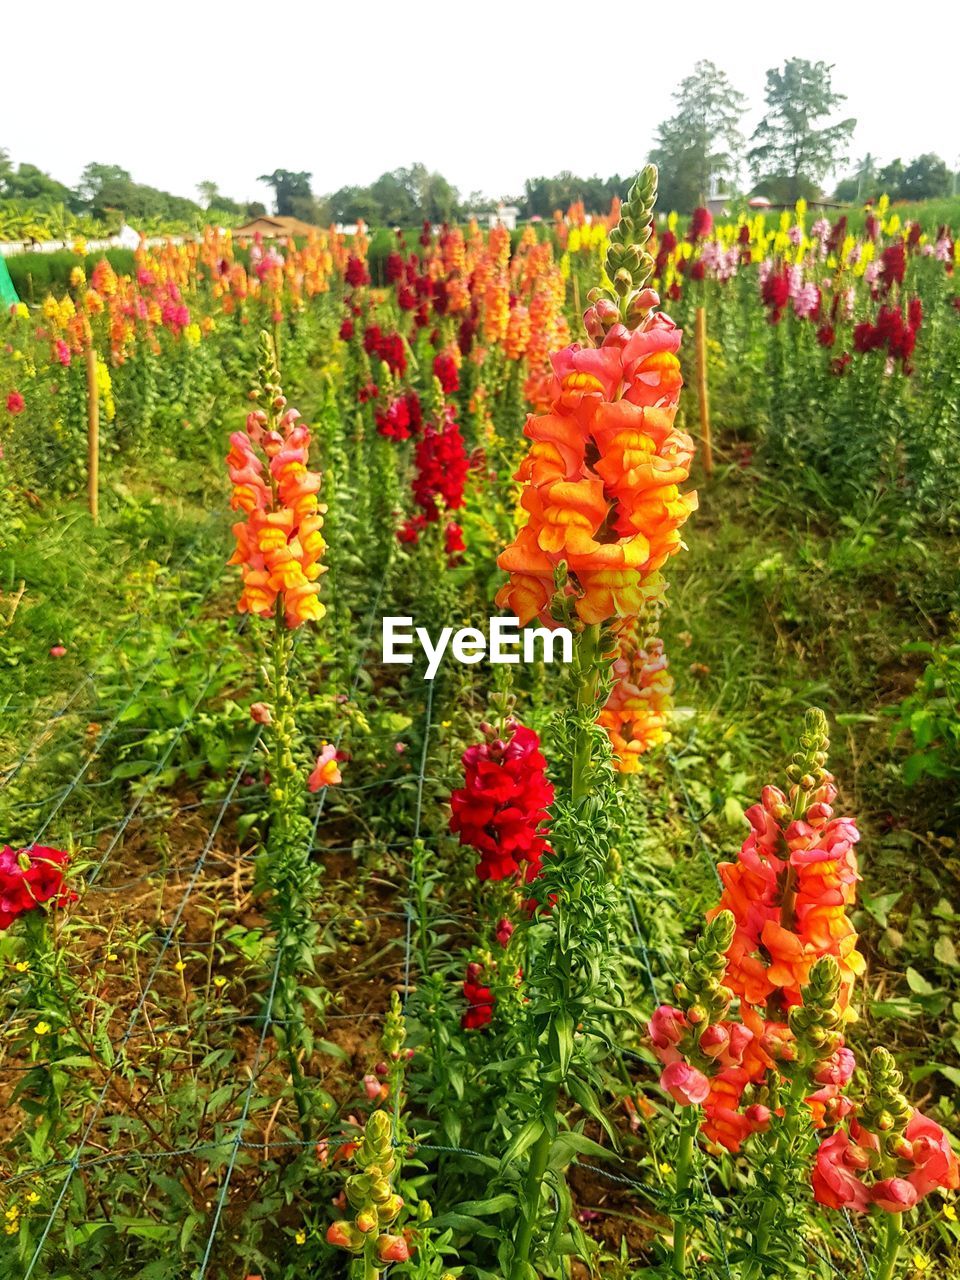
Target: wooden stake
<point>703,394</point>
<point>93,432</point>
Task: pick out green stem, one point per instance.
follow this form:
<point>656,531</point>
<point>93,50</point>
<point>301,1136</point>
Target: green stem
<point>284,777</point>
<point>891,1247</point>
<point>532,1187</point>
<point>588,663</point>
<point>689,1123</point>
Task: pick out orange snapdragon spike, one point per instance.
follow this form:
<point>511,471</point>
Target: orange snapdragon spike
<point>279,543</point>
<point>602,478</point>
<point>639,707</point>
<point>789,892</point>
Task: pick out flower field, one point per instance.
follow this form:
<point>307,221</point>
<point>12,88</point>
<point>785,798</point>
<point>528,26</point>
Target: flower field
<point>323,957</point>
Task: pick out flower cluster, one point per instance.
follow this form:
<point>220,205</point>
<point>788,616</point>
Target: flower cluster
<point>279,543</point>
<point>638,710</point>
<point>601,480</point>
<point>31,878</point>
<point>388,347</point>
<point>401,417</point>
<point>788,955</point>
<point>789,892</point>
<point>501,809</point>
<point>442,466</point>
<point>371,1196</point>
<point>441,472</point>
<point>892,331</point>
<point>889,1155</point>
<point>479,997</point>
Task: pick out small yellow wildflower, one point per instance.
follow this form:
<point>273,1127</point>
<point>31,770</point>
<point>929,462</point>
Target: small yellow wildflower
<point>921,1263</point>
<point>179,966</point>
<point>32,1198</point>
<point>950,1213</point>
<point>665,1168</point>
<point>22,966</point>
<point>301,1237</point>
<point>219,980</point>
<point>41,1029</point>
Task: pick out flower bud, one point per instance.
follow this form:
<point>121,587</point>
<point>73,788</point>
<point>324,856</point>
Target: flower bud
<point>714,1040</point>
<point>345,1236</point>
<point>392,1249</point>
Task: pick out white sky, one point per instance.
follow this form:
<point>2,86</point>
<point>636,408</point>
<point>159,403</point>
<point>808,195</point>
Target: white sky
<point>487,92</point>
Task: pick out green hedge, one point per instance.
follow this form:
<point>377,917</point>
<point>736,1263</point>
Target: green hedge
<point>34,275</point>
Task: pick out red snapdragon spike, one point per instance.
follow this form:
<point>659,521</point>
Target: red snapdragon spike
<point>893,266</point>
<point>701,224</point>
<point>446,372</point>
<point>775,293</point>
<point>357,273</point>
<point>442,466</point>
<point>502,807</point>
<point>480,1000</point>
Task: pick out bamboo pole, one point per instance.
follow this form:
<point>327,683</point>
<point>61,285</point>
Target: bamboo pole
<point>702,392</point>
<point>93,432</point>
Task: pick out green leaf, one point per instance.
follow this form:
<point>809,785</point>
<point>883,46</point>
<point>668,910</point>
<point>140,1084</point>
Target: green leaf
<point>522,1143</point>
<point>573,1143</point>
<point>493,1204</point>
<point>918,984</point>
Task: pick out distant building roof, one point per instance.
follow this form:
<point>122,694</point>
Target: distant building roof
<point>273,226</point>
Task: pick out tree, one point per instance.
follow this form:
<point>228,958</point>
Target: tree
<point>701,143</point>
<point>890,178</point>
<point>862,185</point>
<point>31,183</point>
<point>209,193</point>
<point>925,178</point>
<point>288,187</point>
<point>349,204</point>
<point>106,186</point>
<point>393,197</point>
<point>789,146</point>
